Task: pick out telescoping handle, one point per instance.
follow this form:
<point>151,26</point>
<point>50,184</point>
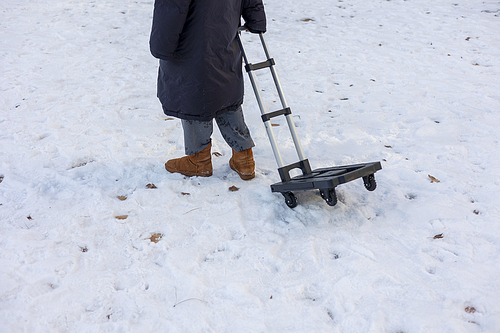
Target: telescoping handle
<point>303,163</point>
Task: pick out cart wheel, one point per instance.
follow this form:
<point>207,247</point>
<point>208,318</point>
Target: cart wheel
<point>370,183</point>
<point>329,195</point>
<point>290,199</point>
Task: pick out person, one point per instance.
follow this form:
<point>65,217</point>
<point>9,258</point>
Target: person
<point>200,77</point>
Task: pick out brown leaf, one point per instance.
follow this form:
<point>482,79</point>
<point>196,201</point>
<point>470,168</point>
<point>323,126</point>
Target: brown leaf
<point>1,179</point>
<point>476,212</point>
<point>29,217</point>
<point>84,249</point>
<point>275,125</point>
<point>185,193</point>
<point>217,154</point>
<point>151,186</point>
<point>79,165</point>
<point>121,217</point>
<point>470,309</point>
<point>307,20</point>
<point>122,197</point>
<point>438,236</point>
<point>388,146</point>
<point>433,179</point>
<point>344,99</point>
<point>155,238</point>
<point>233,188</point>
<point>169,119</point>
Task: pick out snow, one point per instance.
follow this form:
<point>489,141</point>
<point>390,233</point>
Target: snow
<point>413,84</point>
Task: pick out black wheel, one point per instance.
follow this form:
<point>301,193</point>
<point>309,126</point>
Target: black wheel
<point>329,195</point>
<point>290,199</point>
<point>370,183</point>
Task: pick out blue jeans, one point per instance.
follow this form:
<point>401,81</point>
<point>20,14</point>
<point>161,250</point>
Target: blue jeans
<point>197,134</point>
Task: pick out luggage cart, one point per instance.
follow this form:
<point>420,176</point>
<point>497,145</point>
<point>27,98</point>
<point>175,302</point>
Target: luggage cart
<point>325,179</point>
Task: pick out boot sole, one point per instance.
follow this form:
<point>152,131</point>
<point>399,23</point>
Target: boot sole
<point>243,175</point>
<point>188,174</point>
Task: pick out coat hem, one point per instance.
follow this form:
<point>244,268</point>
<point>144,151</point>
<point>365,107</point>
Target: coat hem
<point>180,115</point>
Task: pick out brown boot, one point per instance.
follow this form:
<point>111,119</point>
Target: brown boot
<point>242,162</point>
<point>199,164</point>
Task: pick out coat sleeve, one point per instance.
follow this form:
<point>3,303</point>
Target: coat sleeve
<point>254,15</point>
<point>169,17</point>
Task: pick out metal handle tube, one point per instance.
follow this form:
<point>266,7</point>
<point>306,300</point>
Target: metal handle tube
<point>267,124</point>
<point>289,119</point>
<point>273,71</point>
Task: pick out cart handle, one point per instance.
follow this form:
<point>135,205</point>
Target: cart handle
<point>269,63</point>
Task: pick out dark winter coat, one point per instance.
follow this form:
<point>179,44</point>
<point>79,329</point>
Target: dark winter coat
<point>200,73</point>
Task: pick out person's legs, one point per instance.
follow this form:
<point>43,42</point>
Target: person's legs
<point>197,145</point>
<point>234,130</point>
<point>197,135</point>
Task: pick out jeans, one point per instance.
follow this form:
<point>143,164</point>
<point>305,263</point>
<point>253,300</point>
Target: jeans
<point>197,134</point>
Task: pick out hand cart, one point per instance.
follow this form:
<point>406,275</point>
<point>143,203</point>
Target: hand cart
<point>325,179</point>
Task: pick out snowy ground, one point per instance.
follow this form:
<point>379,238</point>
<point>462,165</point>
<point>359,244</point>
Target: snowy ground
<point>414,84</point>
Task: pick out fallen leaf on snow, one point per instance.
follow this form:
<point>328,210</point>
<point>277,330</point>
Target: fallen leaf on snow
<point>79,165</point>
<point>185,193</point>
<point>438,236</point>
<point>386,146</point>
<point>433,179</point>
<point>470,309</point>
<point>1,179</point>
<point>155,238</point>
<point>217,154</point>
<point>151,186</point>
<point>122,197</point>
<point>233,188</point>
<point>121,217</point>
